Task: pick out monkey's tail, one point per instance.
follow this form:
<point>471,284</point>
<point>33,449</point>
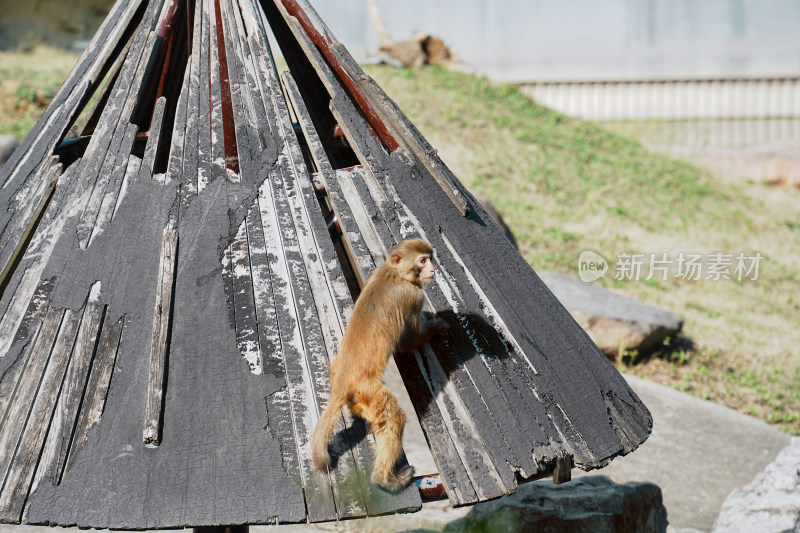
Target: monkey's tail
<point>324,430</point>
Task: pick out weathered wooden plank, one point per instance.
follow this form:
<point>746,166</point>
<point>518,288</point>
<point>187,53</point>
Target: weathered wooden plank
<point>94,396</point>
<point>114,130</point>
<point>243,112</point>
<point>262,62</point>
<point>252,90</point>
<point>319,499</point>
<point>360,184</point>
<point>353,239</point>
<point>563,470</point>
<point>16,416</point>
<point>485,478</point>
<point>404,131</point>
<point>376,247</point>
<point>113,120</point>
<point>29,448</point>
<point>26,333</point>
<point>184,151</point>
<point>378,201</point>
<point>203,139</point>
<point>54,454</point>
<point>28,275</point>
<point>240,117</point>
<point>91,115</point>
<point>131,171</point>
<point>159,344</point>
<point>32,202</point>
<point>454,476</point>
<point>217,136</point>
<point>503,359</point>
<point>108,200</point>
<point>244,306</point>
<point>153,147</point>
<point>270,344</point>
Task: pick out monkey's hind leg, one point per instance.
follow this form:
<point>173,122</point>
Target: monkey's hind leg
<point>387,421</point>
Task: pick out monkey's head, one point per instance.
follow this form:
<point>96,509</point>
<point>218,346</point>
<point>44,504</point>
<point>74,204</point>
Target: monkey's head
<point>412,260</point>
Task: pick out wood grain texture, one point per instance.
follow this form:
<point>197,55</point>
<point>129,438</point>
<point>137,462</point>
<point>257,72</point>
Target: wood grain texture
<point>62,427</point>
<point>96,391</point>
<point>159,343</point>
<point>29,448</point>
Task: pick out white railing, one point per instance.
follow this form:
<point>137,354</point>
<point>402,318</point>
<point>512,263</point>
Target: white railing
<point>719,99</point>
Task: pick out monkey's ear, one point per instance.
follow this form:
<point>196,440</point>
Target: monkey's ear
<point>395,259</point>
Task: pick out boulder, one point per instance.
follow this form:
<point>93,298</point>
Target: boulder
<point>591,504</point>
<point>768,504</point>
<point>614,322</point>
<point>7,146</point>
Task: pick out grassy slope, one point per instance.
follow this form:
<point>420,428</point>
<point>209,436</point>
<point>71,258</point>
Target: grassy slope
<point>565,185</point>
<point>27,84</point>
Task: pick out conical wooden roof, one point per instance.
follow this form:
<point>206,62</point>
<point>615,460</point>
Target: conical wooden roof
<point>182,236</point>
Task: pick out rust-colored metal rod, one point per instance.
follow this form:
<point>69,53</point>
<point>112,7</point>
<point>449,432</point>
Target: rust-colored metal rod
<point>165,62</point>
<point>190,8</point>
<point>165,25</point>
<point>228,129</point>
<point>320,37</point>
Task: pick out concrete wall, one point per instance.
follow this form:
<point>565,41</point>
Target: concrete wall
<point>546,40</point>
<point>526,40</point>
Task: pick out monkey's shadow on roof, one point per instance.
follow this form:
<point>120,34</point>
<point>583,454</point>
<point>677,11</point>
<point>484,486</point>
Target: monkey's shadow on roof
<point>470,341</point>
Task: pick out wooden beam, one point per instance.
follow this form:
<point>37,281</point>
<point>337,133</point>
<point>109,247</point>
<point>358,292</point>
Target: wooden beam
<point>159,344</point>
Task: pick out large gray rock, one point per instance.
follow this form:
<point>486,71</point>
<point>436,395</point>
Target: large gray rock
<point>592,504</point>
<point>7,146</point>
<point>768,504</point>
<point>612,321</point>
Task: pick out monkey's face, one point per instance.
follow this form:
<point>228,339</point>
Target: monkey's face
<point>425,268</point>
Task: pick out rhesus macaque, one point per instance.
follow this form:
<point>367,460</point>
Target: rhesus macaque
<point>387,319</point>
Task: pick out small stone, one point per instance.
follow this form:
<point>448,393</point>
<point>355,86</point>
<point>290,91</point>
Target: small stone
<point>591,504</point>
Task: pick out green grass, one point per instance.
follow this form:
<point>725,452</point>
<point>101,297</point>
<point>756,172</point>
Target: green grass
<point>28,82</point>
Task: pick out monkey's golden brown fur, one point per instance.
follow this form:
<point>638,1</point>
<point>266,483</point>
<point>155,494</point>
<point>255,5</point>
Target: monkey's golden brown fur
<point>387,319</point>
